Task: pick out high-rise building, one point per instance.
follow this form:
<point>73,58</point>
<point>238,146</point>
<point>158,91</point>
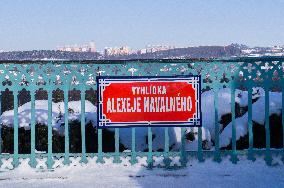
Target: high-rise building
<point>91,47</point>
<point>157,48</point>
<point>124,50</point>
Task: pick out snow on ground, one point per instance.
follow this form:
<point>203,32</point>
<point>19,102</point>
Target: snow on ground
<point>245,174</point>
<point>208,119</point>
<point>224,105</point>
<point>258,115</point>
<point>41,114</point>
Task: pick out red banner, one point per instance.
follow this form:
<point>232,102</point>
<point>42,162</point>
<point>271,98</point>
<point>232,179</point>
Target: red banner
<point>149,101</point>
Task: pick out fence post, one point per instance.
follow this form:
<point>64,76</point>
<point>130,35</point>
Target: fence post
<point>166,160</point>
<point>32,161</point>
<point>250,150</point>
<point>100,143</point>
<point>116,156</point>
<point>282,116</point>
<point>150,152</point>
<point>100,147</point>
<point>133,146</point>
<point>49,161</point>
<point>16,129</point>
<point>66,124</point>
<point>183,154</point>
<point>83,133</point>
<point>200,151</point>
<point>217,155</point>
<point>234,157</point>
<point>268,157</point>
<point>1,127</point>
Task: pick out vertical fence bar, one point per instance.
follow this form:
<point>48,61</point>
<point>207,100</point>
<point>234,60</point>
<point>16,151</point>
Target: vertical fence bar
<point>100,147</point>
<point>116,156</point>
<point>268,157</point>
<point>66,125</point>
<point>217,155</point>
<point>32,161</point>
<point>183,154</point>
<point>133,146</point>
<point>83,133</point>
<point>200,151</point>
<point>283,118</point>
<point>16,130</point>
<point>1,127</point>
<point>167,160</point>
<point>234,157</point>
<point>100,141</point>
<point>250,130</point>
<point>50,161</point>
<point>150,149</point>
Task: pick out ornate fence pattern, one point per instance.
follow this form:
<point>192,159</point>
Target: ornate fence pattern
<point>243,73</point>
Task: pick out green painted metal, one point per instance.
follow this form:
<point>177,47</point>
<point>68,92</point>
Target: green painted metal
<point>250,130</point>
<point>241,73</point>
<point>200,152</point>
<point>133,147</point>
<point>16,129</point>
<point>66,125</point>
<point>217,156</point>
<point>234,157</point>
<point>167,160</point>
<point>117,156</point>
<point>1,128</point>
<point>268,158</point>
<point>49,161</point>
<point>183,154</point>
<point>150,149</point>
<point>100,147</point>
<point>281,75</point>
<point>33,161</point>
<point>83,133</point>
<point>283,118</point>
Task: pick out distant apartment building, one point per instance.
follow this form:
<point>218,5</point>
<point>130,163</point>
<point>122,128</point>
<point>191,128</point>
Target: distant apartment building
<point>90,47</point>
<point>142,51</point>
<point>263,51</point>
<point>157,48</point>
<point>124,50</point>
<point>277,49</point>
<point>154,48</point>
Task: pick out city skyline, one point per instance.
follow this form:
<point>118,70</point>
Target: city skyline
<point>85,47</point>
<point>44,25</point>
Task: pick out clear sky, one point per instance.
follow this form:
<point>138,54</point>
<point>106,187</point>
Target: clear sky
<point>44,24</point>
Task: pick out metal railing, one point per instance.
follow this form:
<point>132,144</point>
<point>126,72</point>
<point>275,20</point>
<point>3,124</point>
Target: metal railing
<point>243,73</point>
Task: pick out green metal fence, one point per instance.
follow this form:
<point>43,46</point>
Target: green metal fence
<point>244,73</point>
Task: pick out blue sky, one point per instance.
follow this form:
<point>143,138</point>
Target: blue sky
<point>44,24</point>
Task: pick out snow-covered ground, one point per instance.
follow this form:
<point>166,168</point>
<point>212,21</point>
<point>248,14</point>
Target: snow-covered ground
<point>207,174</point>
<point>41,114</point>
